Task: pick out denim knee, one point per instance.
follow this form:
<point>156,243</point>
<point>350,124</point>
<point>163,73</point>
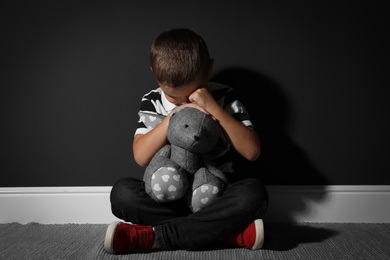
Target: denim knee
<point>254,197</point>
<point>123,197</point>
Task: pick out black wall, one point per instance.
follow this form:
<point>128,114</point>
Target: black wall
<point>313,74</point>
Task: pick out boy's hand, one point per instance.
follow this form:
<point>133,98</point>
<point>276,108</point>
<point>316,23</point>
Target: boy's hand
<point>203,98</point>
<point>244,139</point>
<point>194,105</point>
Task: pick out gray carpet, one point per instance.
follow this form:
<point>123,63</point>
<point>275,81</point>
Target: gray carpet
<point>283,241</point>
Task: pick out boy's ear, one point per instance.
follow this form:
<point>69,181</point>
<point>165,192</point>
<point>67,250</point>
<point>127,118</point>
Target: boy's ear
<point>151,68</point>
<point>211,67</point>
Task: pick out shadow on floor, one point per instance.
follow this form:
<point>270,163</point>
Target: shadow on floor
<point>282,237</point>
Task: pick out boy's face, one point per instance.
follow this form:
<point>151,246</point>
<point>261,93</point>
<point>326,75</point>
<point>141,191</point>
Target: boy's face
<point>180,96</point>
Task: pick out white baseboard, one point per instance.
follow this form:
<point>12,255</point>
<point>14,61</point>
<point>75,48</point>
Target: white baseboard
<point>353,204</point>
<point>49,205</point>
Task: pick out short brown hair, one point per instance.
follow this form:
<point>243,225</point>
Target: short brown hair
<point>178,56</point>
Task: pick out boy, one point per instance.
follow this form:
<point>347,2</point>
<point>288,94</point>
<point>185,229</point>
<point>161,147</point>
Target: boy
<point>181,64</point>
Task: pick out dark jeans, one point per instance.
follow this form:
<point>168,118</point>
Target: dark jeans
<point>179,228</point>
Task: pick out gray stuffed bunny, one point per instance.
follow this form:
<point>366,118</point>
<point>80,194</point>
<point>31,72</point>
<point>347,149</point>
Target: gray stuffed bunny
<point>183,168</point>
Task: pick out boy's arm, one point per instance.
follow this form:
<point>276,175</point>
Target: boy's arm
<point>146,145</point>
<point>244,139</point>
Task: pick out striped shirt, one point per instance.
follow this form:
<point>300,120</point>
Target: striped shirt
<point>155,107</point>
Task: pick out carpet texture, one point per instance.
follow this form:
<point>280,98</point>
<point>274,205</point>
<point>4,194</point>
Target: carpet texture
<point>283,241</point>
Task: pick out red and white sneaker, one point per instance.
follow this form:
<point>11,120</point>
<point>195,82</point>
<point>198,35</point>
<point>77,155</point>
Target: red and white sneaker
<point>122,238</point>
<point>251,237</point>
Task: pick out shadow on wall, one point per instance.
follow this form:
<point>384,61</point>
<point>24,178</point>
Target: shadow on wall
<point>282,162</point>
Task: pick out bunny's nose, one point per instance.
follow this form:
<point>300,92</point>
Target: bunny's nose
<point>196,138</point>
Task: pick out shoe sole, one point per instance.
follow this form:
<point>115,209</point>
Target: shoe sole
<point>259,234</point>
<point>109,239</point>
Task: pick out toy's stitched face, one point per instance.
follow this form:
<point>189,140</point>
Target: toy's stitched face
<point>193,130</point>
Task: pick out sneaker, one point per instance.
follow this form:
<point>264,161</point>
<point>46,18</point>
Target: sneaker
<point>122,238</point>
<point>251,237</point>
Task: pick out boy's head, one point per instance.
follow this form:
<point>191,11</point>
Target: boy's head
<point>178,57</point>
